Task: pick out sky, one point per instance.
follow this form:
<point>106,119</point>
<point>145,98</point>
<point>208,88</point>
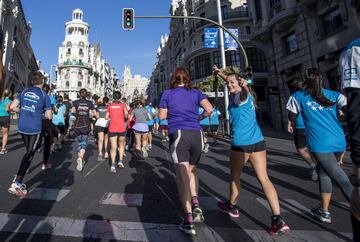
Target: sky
<point>135,48</point>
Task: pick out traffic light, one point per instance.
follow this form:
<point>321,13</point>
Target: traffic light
<point>128,18</point>
<point>249,75</point>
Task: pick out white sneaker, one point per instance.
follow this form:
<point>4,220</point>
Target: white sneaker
<point>79,166</point>
<point>206,148</point>
<point>18,189</point>
<point>113,169</point>
<point>144,152</point>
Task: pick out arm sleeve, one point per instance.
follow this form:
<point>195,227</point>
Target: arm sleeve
<point>292,105</point>
<point>164,101</point>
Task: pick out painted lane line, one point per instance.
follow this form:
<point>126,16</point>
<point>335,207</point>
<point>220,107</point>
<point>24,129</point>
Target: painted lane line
<point>122,199</point>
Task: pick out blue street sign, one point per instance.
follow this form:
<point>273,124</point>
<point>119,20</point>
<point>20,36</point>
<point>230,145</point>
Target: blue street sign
<point>229,41</point>
<point>211,38</point>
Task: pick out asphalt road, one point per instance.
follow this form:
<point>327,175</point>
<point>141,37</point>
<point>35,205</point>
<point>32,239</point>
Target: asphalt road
<point>140,202</point>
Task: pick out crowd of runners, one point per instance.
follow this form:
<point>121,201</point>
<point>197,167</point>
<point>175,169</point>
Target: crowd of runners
<point>186,120</point>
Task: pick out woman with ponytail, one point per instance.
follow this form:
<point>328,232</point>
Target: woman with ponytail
<point>319,108</point>
<point>179,106</point>
<point>247,144</point>
<point>5,119</point>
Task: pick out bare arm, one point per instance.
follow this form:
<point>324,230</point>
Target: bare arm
<point>207,107</point>
<point>107,116</point>
<point>219,72</point>
<point>15,106</point>
<point>163,113</point>
<point>49,114</point>
<point>126,113</point>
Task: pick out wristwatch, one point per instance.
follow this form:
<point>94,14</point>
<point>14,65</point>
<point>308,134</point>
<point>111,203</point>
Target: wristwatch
<point>354,180</point>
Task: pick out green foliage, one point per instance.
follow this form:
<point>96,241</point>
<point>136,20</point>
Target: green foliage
<point>212,83</point>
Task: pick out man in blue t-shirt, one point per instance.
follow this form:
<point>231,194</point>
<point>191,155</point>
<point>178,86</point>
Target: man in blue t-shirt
<point>31,104</point>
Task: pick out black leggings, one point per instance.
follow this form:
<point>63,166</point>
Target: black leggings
<point>49,132</point>
<point>32,143</point>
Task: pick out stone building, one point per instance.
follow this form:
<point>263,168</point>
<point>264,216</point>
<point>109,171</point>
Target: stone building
<point>18,56</point>
<point>133,86</point>
<point>81,65</point>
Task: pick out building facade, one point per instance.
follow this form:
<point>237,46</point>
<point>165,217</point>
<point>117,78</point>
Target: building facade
<point>281,38</point>
<point>133,87</point>
<point>80,64</point>
<point>18,56</point>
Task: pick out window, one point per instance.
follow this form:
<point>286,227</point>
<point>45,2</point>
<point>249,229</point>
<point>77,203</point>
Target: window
<point>202,66</point>
<point>275,3</point>
<point>232,58</point>
<point>67,84</point>
<point>79,84</point>
<point>203,15</point>
<point>247,30</point>
<point>257,59</point>
<point>258,10</point>
<point>201,2</point>
<point>332,21</point>
<point>81,44</point>
<point>68,44</point>
<point>217,58</point>
<point>81,52</point>
<point>203,38</point>
<point>260,93</point>
<point>225,12</point>
<point>290,43</point>
<point>192,69</point>
<point>68,51</point>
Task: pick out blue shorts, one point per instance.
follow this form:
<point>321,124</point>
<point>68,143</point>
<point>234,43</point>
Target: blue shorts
<point>82,141</point>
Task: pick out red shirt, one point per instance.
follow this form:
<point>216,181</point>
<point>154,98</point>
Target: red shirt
<point>117,119</point>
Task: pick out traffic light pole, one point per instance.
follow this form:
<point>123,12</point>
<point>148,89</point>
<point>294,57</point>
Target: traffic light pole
<point>246,62</point>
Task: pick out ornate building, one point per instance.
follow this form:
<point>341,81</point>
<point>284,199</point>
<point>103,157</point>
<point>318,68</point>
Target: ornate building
<point>81,65</point>
<point>133,86</point>
<point>18,56</point>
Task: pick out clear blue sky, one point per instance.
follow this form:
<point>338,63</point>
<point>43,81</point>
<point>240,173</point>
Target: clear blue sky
<point>136,48</point>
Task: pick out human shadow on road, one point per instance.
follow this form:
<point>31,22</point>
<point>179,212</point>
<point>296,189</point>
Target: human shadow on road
<point>58,177</point>
<point>97,229</point>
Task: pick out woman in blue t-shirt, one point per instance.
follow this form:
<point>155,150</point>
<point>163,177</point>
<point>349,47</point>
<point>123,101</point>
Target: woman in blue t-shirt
<point>247,143</point>
<point>325,137</point>
<point>5,119</point>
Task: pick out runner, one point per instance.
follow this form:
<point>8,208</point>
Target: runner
<point>247,143</point>
<point>156,121</point>
<point>68,105</point>
<point>117,113</point>
<point>214,121</point>
<point>30,104</point>
<point>325,136</point>
<point>298,130</point>
<point>5,119</point>
<point>141,128</point>
<point>101,127</point>
<point>150,122</point>
<point>59,122</point>
<point>164,130</point>
<point>205,125</point>
<point>130,136</point>
<point>186,141</point>
<point>82,109</point>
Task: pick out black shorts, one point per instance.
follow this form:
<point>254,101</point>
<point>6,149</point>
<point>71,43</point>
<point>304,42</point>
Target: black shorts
<point>257,147</point>
<point>67,124</point>
<point>214,128</point>
<point>151,128</point>
<point>205,128</point>
<point>300,138</point>
<point>163,127</point>
<point>117,134</point>
<point>186,146</point>
<point>61,128</point>
<point>5,121</point>
<point>101,129</point>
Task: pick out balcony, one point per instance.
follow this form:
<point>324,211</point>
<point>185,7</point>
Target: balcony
<point>282,20</point>
<point>228,16</point>
<point>75,64</point>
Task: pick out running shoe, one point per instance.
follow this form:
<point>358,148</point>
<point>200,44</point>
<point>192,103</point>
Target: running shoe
<point>3,151</point>
<point>60,147</point>
<point>232,210</point>
<point>45,167</point>
<point>113,169</point>
<point>100,157</point>
<point>167,138</point>
<point>206,148</point>
<point>106,156</point>
<point>144,152</point>
<point>198,215</point>
<point>321,215</point>
<point>150,147</point>
<point>187,228</point>
<point>120,164</point>
<point>313,174</point>
<point>163,140</point>
<point>80,164</point>
<point>279,228</point>
<point>18,189</point>
<point>126,147</point>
